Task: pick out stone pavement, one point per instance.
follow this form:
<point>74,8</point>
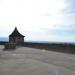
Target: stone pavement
<point>30,61</point>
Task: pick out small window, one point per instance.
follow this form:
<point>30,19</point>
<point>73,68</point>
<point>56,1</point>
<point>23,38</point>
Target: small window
<point>18,37</point>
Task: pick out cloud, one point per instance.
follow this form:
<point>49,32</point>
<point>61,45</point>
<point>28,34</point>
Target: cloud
<point>39,19</point>
<point>50,37</point>
<point>64,31</point>
<point>70,6</point>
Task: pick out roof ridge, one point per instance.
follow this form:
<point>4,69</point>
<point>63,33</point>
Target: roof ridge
<point>16,33</point>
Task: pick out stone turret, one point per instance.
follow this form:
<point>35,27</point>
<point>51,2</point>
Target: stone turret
<point>16,37</point>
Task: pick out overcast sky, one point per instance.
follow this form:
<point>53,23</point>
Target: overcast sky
<point>39,20</point>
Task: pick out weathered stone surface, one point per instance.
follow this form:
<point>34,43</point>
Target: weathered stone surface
<point>30,61</point>
<point>10,46</point>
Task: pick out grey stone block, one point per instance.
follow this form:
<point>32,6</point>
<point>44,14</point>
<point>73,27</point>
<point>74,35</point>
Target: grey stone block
<point>10,46</point>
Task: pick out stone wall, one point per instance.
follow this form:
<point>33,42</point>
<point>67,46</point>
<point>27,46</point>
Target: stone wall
<point>10,46</point>
<point>61,47</point>
<point>18,40</point>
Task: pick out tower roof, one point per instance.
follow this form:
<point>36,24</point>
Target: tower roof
<point>16,33</point>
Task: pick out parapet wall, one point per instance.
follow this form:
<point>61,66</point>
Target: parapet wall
<point>61,47</point>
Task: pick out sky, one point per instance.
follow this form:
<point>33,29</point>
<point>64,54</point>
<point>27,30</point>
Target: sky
<point>39,20</point>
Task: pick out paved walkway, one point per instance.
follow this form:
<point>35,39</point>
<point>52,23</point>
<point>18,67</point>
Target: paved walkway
<point>29,61</point>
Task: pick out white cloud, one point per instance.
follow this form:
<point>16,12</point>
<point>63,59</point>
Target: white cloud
<point>32,15</point>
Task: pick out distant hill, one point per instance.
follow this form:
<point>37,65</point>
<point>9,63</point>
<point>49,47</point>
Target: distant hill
<point>4,39</point>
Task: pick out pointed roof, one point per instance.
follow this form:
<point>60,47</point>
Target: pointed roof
<point>16,33</point>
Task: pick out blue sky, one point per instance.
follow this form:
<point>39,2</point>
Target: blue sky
<point>39,20</point>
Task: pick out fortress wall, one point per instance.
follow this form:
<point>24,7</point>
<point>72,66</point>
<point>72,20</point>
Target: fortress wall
<point>66,48</point>
<point>61,47</point>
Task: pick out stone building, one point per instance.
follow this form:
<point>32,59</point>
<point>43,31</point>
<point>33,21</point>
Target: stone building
<point>16,37</point>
